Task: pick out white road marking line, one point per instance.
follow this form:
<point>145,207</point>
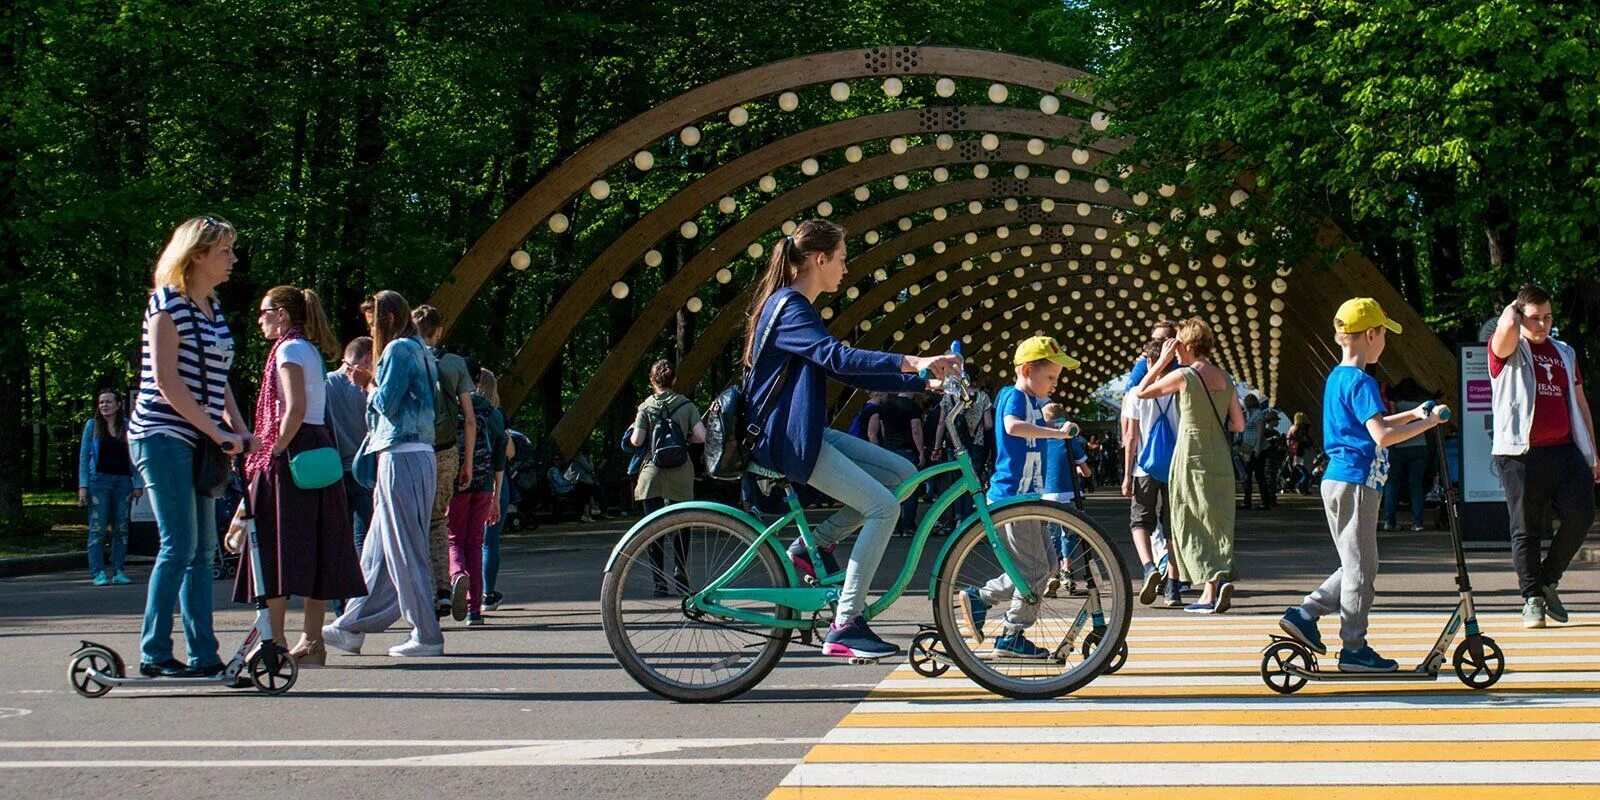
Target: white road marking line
<point>1262,773</point>
<point>1108,734</point>
<point>490,753</point>
<point>654,745</point>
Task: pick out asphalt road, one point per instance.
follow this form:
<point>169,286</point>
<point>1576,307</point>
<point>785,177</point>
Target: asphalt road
<point>533,703</point>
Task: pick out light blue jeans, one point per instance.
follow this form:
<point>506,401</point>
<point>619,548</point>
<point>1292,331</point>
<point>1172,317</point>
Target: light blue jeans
<point>862,476</point>
<point>182,574</point>
<point>108,507</point>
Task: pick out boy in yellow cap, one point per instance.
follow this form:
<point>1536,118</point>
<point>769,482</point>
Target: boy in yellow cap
<point>1355,433</point>
<point>1020,435</point>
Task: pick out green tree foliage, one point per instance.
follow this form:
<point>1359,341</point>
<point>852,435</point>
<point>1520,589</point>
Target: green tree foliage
<point>362,144</point>
<point>1457,142</point>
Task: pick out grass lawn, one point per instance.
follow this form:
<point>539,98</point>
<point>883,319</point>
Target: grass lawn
<point>54,524</point>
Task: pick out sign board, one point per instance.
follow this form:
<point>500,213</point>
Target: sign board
<point>1484,520</point>
<point>1478,481</point>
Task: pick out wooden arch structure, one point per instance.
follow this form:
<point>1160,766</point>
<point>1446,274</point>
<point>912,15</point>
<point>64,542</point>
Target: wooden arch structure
<point>1038,239</point>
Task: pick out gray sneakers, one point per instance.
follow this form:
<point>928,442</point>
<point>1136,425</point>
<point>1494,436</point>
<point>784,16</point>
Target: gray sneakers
<point>1552,604</point>
<point>1533,610</point>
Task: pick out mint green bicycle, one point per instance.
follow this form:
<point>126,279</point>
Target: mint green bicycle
<point>740,603</point>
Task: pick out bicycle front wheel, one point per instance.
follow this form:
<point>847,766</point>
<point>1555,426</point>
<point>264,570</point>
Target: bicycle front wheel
<point>1083,593</point>
<point>691,659</point>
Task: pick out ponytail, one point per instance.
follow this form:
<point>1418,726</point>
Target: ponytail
<point>783,269</point>
<point>318,331</point>
<point>305,310</point>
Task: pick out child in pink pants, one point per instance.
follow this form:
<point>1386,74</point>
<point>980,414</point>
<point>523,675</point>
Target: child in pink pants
<point>477,504</point>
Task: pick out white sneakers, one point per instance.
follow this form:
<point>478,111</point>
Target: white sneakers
<point>412,648</point>
<point>341,639</point>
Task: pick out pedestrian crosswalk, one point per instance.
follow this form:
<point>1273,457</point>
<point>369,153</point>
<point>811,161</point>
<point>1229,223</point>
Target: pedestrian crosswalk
<point>1189,717</point>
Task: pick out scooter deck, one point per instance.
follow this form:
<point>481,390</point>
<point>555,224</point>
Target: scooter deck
<point>1417,673</point>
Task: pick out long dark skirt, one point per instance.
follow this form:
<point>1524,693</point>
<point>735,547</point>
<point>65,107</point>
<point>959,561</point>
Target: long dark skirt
<point>307,545</point>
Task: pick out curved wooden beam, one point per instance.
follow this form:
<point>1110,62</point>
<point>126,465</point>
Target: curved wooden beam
<point>544,345</point>
<point>489,253</point>
<point>712,340</point>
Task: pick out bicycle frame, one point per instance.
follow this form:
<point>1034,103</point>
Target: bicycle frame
<point>811,599</point>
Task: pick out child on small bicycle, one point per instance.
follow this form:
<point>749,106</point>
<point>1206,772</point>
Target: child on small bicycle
<point>1063,458</point>
<point>1020,436</point>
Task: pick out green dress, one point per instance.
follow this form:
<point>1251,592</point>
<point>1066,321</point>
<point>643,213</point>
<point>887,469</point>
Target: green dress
<point>1201,491</point>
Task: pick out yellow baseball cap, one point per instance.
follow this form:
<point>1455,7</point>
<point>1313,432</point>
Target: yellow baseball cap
<point>1042,347</point>
<point>1362,313</point>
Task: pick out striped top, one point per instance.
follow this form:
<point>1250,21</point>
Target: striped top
<point>197,335</point>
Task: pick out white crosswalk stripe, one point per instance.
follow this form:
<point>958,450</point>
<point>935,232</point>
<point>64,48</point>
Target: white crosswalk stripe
<point>1189,714</point>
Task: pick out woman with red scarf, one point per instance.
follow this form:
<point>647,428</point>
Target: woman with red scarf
<point>306,543</point>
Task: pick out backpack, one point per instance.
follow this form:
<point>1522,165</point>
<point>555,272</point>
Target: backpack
<point>482,450</point>
<point>733,422</point>
<point>1155,455</point>
<point>667,446</point>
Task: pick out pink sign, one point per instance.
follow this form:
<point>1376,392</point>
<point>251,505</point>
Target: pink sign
<point>1480,396</point>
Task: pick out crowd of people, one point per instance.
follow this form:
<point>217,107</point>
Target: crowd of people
<point>380,488</point>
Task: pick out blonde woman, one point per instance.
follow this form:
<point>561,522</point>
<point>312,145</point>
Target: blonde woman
<point>184,399</point>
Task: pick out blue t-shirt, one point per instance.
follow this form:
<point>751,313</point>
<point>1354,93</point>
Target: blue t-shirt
<point>1351,398</point>
<point>1018,462</point>
<point>1060,456</point>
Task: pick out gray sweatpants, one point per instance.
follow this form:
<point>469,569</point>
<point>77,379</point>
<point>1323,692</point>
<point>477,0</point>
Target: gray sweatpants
<point>1352,511</point>
<point>394,559</point>
<point>1032,550</point>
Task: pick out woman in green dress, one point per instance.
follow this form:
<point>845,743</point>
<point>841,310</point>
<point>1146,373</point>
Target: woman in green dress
<point>1201,491</point>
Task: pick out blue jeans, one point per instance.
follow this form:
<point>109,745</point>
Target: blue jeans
<point>491,542</point>
<point>182,574</point>
<point>108,505</point>
<point>1407,468</point>
<point>862,476</point>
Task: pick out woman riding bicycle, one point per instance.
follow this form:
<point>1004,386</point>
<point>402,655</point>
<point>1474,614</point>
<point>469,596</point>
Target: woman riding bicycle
<point>788,378</point>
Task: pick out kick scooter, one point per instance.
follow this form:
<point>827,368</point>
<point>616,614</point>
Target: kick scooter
<point>96,669</point>
<point>1286,664</point>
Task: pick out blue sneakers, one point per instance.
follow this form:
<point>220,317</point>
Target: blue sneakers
<point>1303,630</point>
<point>856,640</point>
<point>1016,645</point>
<point>1365,660</point>
<point>802,560</point>
<point>974,612</point>
<point>100,578</point>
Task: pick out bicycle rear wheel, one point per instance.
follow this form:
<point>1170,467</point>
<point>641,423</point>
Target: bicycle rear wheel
<point>669,652</point>
<point>1094,580</point>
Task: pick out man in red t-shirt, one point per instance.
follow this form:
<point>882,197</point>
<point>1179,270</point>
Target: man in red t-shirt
<point>1546,463</point>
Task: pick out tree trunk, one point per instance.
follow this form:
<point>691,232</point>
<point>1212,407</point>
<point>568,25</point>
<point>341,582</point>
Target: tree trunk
<point>371,78</point>
<point>14,356</point>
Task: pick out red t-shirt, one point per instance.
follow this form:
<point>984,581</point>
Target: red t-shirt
<point>1552,424</point>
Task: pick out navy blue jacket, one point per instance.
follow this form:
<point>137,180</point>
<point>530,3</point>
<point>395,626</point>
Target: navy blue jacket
<point>792,431</point>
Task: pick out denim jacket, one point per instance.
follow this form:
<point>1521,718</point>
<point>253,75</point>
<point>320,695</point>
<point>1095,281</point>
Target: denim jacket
<point>89,458</point>
<point>400,405</point>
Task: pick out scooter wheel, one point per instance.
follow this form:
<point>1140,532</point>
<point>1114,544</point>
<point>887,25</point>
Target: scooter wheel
<point>273,676</point>
<point>1118,659</point>
<point>925,655</point>
<point>1275,665</point>
<point>98,659</point>
<point>1479,673</point>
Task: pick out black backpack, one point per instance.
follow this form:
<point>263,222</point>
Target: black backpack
<point>667,446</point>
<point>733,422</point>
